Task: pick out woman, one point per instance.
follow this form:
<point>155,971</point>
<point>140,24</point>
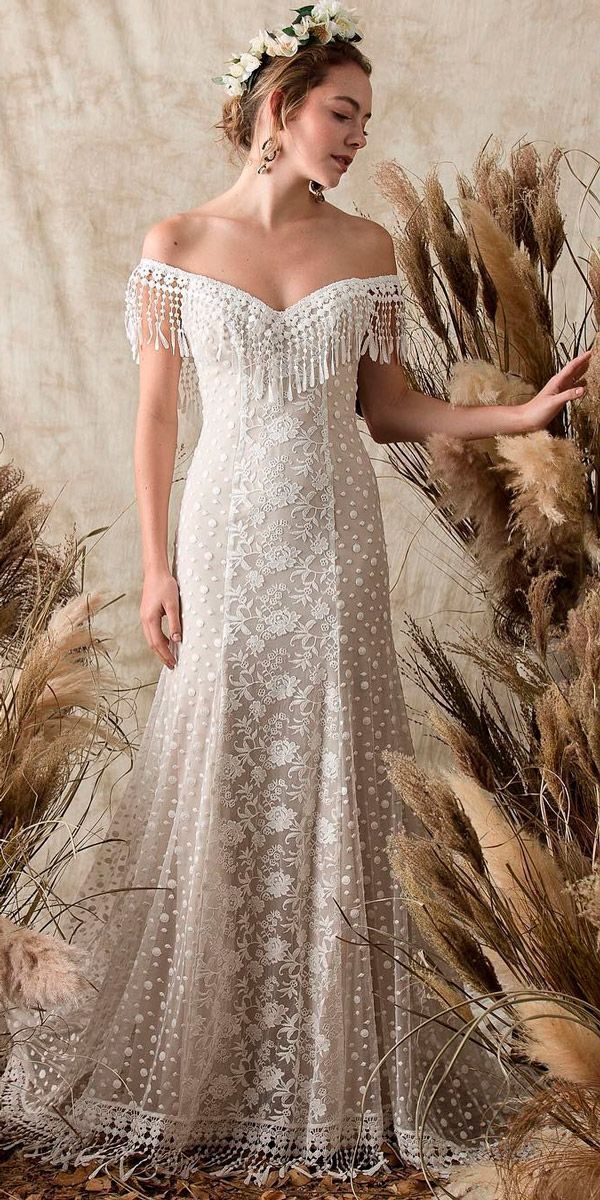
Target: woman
<point>240,1010</point>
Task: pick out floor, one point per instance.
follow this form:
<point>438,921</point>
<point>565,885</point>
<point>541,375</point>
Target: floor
<point>27,1179</point>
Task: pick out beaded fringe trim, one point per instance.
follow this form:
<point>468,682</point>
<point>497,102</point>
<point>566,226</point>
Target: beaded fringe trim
<point>302,345</point>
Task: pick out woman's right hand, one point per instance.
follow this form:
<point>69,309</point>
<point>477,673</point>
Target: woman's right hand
<point>160,597</point>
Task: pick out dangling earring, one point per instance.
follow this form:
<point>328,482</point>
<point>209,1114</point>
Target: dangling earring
<point>265,158</point>
<point>316,190</point>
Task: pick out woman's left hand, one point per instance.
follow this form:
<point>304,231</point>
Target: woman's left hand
<point>539,411</point>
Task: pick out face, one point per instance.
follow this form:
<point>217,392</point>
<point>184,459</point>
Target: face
<point>330,125</point>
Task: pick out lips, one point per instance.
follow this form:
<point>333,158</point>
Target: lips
<point>343,160</point>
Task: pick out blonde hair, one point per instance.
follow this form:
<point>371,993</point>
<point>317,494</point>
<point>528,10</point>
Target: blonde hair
<point>295,76</point>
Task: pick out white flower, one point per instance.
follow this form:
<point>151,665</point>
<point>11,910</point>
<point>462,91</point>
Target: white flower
<point>270,1077</point>
<point>278,623</point>
<point>275,949</point>
<point>303,27</point>
<point>236,70</point>
<point>282,752</point>
<point>288,45</point>
<point>317,1109</point>
<point>343,26</point>
<point>258,44</point>
<point>278,884</point>
<point>325,10</point>
<point>233,87</point>
<point>279,818</point>
<point>250,62</point>
<point>271,46</point>
<point>330,764</point>
<point>273,1014</point>
<point>325,832</point>
<point>283,687</point>
<point>230,833</point>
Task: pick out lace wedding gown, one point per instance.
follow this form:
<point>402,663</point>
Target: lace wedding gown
<point>239,1012</point>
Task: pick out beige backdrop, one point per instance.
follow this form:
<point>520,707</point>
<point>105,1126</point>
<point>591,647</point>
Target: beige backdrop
<point>108,114</point>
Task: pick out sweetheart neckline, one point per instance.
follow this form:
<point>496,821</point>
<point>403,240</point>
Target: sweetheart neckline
<point>280,312</point>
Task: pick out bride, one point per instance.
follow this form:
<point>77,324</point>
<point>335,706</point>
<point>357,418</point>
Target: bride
<point>243,926</point>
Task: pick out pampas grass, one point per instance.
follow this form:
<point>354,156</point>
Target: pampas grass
<point>61,729</point>
<point>502,871</point>
<point>509,917</point>
<point>481,329</point>
<point>38,971</point>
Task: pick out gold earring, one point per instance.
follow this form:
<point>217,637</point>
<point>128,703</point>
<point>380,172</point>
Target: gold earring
<point>269,150</point>
<point>316,190</point>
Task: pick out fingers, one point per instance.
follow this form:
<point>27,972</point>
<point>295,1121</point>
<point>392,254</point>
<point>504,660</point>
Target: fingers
<point>157,640</point>
<point>559,399</point>
<point>573,369</point>
<point>174,622</point>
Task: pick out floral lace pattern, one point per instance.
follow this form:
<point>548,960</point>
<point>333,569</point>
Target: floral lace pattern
<point>238,1012</point>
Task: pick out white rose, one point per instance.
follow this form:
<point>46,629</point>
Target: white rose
<point>343,26</point>
<point>235,68</point>
<point>322,11</point>
<point>249,62</point>
<point>272,47</point>
<point>288,45</point>
<point>303,27</point>
<point>234,87</point>
<point>258,44</point>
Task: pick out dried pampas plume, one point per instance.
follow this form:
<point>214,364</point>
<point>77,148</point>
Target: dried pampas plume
<point>475,382</point>
<point>548,481</point>
<point>40,971</point>
<point>515,860</point>
<point>528,346</point>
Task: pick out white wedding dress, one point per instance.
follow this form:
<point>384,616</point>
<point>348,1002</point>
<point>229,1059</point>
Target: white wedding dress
<point>239,1011</point>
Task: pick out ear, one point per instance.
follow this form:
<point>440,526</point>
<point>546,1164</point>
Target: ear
<point>275,102</point>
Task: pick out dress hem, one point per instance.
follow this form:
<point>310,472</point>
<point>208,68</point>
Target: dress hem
<point>110,1134</point>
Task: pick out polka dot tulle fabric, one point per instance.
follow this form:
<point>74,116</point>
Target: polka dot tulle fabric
<point>238,1013</point>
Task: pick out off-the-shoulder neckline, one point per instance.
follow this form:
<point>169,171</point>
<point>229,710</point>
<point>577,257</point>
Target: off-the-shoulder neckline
<point>232,287</point>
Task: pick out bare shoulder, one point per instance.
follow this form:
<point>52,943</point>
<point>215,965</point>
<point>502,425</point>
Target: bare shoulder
<point>376,243</point>
<point>169,240</point>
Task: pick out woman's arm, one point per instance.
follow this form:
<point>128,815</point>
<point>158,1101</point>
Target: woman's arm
<point>154,460</point>
<point>395,413</point>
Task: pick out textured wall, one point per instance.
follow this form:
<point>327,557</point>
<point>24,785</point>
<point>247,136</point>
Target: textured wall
<point>107,127</point>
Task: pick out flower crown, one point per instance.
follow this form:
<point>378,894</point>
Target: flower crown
<point>321,22</point>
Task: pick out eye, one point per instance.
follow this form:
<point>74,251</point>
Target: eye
<point>343,117</point>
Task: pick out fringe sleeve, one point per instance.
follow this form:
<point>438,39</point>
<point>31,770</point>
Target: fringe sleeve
<point>385,339</point>
<point>154,298</point>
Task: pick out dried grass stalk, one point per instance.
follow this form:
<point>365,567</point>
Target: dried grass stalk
<point>451,247</point>
<point>557,1128</point>
<point>435,805</point>
<point>548,223</point>
<point>528,346</point>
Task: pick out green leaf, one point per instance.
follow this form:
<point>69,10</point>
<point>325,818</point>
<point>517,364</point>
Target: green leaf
<point>289,30</point>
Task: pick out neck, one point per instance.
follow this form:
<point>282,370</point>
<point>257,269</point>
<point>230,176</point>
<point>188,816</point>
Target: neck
<point>277,198</point>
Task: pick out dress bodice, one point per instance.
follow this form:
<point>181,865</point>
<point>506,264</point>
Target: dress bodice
<point>291,350</point>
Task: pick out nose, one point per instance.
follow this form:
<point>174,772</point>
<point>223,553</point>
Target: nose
<point>359,140</point>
